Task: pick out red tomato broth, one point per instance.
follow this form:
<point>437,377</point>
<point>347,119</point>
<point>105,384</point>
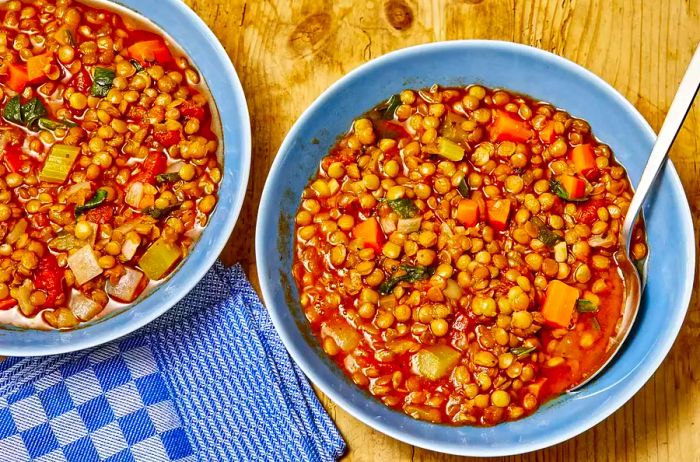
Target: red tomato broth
<point>327,284</point>
<point>181,225</point>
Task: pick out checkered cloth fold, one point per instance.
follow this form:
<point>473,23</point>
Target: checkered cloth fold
<point>209,381</point>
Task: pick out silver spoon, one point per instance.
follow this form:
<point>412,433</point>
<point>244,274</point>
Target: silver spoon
<point>634,286</point>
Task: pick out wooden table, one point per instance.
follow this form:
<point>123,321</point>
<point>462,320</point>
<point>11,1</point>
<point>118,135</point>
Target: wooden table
<point>287,52</point>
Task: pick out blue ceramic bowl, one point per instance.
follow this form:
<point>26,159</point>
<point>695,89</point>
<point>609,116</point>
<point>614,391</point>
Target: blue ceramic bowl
<point>207,54</point>
<point>543,76</point>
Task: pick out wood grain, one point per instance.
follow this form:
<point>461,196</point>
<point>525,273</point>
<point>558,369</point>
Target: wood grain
<point>287,52</point>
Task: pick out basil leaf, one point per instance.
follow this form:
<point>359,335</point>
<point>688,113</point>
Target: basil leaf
<point>559,190</point>
<point>406,208</point>
<point>98,198</point>
<point>586,306</point>
<point>13,110</point>
<point>392,104</point>
<point>101,82</point>
<point>137,65</point>
<point>32,111</point>
<point>521,352</point>
<point>546,235</point>
<point>160,213</point>
<point>412,274</point>
<point>168,177</point>
<point>463,188</point>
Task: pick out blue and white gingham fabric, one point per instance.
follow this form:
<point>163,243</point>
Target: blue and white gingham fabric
<point>208,381</point>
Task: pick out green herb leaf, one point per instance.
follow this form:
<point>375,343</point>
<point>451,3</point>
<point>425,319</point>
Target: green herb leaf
<point>546,235</point>
<point>32,111</point>
<point>596,324</point>
<point>392,104</point>
<point>168,177</point>
<point>13,110</point>
<point>586,306</point>
<point>559,190</point>
<point>521,352</point>
<point>97,199</point>
<point>101,82</point>
<point>463,188</point>
<point>48,124</point>
<point>406,208</point>
<point>411,274</point>
<point>137,65</point>
<point>160,213</point>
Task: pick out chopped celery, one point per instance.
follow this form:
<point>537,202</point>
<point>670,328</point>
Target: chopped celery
<point>449,149</point>
<point>59,163</point>
<point>160,257</point>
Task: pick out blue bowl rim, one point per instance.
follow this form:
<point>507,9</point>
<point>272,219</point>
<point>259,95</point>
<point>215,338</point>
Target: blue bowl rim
<point>225,224</point>
<point>265,220</point>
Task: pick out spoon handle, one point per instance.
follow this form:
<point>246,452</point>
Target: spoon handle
<point>669,130</point>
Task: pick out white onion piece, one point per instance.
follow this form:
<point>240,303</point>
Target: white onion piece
<point>126,288</point>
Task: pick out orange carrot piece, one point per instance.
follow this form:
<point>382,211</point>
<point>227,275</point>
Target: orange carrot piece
<point>497,213</point>
<point>583,158</point>
<point>547,134</point>
<point>575,187</point>
<point>468,212</point>
<point>370,233</point>
<point>506,128</point>
<point>559,303</point>
<point>17,78</point>
<point>148,51</point>
<point>37,67</point>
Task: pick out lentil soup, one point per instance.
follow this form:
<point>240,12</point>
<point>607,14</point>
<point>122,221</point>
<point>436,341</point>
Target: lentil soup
<point>110,160</point>
<point>455,253</point>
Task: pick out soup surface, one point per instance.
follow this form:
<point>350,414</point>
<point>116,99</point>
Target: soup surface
<point>108,164</point>
<point>454,254</point>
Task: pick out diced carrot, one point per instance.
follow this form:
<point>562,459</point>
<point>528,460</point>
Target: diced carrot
<point>506,128</point>
<point>370,233</point>
<point>583,159</point>
<point>148,51</point>
<point>64,35</point>
<point>575,187</point>
<point>559,303</point>
<point>37,67</point>
<point>17,77</point>
<point>497,213</point>
<point>468,212</point>
<point>547,134</point>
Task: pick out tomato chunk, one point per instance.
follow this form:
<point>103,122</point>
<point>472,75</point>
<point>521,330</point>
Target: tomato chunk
<point>49,278</point>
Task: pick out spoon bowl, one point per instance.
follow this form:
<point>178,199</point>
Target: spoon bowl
<point>634,284</point>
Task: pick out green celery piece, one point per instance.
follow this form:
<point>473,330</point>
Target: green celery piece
<point>59,163</point>
<point>159,258</point>
<point>449,149</point>
<point>586,306</point>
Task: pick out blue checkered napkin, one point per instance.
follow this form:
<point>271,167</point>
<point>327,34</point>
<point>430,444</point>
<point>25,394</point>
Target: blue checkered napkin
<point>208,381</point>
